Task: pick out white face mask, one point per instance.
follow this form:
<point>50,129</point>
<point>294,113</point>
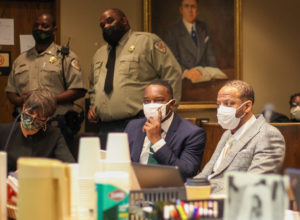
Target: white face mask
<point>226,117</point>
<point>295,112</point>
<point>151,110</point>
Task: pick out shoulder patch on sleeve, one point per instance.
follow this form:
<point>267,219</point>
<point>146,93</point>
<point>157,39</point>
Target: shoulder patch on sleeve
<point>75,63</point>
<point>160,46</point>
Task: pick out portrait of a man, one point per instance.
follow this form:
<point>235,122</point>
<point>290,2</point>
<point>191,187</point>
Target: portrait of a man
<point>204,36</point>
<point>190,42</point>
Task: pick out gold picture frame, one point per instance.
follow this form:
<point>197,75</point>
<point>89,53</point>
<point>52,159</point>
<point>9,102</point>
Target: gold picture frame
<point>156,15</point>
<point>5,63</point>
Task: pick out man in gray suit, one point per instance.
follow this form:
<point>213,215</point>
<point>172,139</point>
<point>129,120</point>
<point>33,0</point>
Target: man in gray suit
<point>249,143</point>
<point>190,42</point>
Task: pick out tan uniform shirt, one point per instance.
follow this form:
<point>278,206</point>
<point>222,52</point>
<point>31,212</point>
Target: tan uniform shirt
<point>32,70</point>
<point>140,58</point>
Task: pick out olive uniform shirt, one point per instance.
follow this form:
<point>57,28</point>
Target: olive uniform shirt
<point>140,58</point>
<point>32,70</point>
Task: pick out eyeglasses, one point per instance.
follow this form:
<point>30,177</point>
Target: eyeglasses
<point>36,122</point>
<point>294,104</point>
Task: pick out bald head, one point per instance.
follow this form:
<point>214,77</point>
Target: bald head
<point>114,25</point>
<point>118,12</point>
<point>112,17</point>
<point>47,16</point>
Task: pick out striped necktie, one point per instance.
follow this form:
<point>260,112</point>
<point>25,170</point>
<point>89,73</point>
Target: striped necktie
<point>224,153</point>
<point>227,147</point>
<point>193,35</point>
<point>151,159</point>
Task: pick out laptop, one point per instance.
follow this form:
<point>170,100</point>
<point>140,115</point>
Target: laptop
<point>294,175</point>
<point>152,176</point>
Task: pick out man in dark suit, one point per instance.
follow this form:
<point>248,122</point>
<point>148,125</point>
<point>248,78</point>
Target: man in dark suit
<point>190,42</point>
<point>163,137</point>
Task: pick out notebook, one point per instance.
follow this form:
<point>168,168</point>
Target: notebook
<point>152,176</point>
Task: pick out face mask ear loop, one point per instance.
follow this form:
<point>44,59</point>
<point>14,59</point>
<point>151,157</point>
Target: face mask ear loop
<point>239,108</point>
<point>241,105</point>
<point>166,107</point>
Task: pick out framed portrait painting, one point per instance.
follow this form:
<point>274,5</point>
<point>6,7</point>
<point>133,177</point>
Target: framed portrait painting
<point>214,48</point>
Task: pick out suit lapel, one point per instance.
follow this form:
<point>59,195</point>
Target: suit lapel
<point>208,169</point>
<point>240,144</point>
<point>186,40</point>
<point>201,36</point>
<point>172,129</point>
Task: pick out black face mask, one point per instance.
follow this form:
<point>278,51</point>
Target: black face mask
<point>113,34</point>
<point>43,37</point>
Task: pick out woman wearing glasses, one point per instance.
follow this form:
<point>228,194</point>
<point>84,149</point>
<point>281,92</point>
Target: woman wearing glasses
<point>32,137</point>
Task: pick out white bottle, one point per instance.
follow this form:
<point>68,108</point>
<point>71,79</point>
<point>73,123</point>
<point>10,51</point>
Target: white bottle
<point>112,195</point>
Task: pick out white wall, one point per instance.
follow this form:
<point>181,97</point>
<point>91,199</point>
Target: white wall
<point>271,52</point>
<point>80,21</point>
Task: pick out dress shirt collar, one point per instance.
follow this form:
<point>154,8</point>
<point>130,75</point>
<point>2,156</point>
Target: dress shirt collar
<point>241,131</point>
<point>189,26</point>
<point>167,123</point>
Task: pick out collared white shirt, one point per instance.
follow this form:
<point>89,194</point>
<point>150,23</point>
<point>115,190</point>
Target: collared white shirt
<point>146,146</point>
<point>236,136</point>
<point>189,26</point>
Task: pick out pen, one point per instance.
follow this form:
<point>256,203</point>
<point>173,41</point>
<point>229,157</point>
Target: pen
<point>216,211</point>
<point>195,212</point>
<point>181,212</point>
<point>210,208</point>
<point>166,212</point>
<point>205,210</point>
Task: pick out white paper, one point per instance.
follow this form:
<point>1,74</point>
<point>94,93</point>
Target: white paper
<point>253,196</point>
<point>26,42</point>
<point>7,31</point>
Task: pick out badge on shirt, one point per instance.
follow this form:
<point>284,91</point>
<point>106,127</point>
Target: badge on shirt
<point>131,48</point>
<point>52,60</point>
<point>160,46</point>
<point>75,63</point>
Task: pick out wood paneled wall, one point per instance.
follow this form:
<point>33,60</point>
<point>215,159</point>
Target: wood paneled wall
<point>24,13</point>
<point>290,132</point>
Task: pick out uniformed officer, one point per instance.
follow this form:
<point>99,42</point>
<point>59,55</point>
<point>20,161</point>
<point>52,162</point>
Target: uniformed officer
<point>45,66</point>
<point>122,69</point>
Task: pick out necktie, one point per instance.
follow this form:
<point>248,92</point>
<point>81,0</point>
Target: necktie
<point>110,66</point>
<point>224,153</point>
<point>227,147</point>
<point>193,35</point>
<point>151,159</point>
